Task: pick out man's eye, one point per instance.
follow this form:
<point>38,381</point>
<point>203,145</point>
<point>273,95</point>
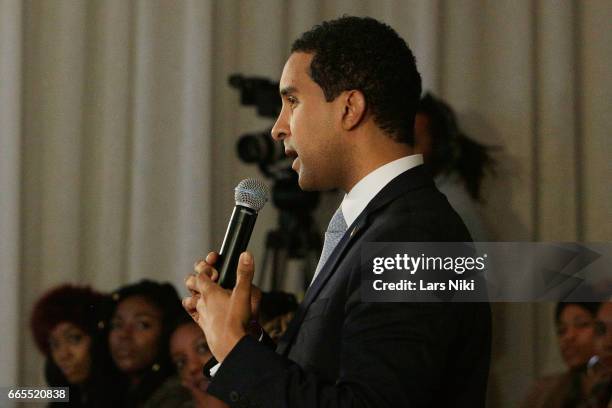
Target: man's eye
<point>292,100</point>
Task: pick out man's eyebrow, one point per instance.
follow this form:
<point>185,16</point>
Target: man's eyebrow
<point>288,90</point>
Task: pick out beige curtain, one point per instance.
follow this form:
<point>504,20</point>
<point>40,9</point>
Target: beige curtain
<point>118,131</point>
<point>10,214</point>
<point>106,151</point>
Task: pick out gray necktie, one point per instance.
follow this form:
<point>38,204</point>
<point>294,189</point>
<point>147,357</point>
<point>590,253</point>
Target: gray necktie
<point>335,230</point>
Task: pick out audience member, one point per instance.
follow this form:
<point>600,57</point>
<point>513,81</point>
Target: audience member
<point>575,333</point>
<point>599,374</point>
<point>275,312</point>
<point>457,162</point>
<point>144,316</point>
<point>70,327</point>
<point>190,352</point>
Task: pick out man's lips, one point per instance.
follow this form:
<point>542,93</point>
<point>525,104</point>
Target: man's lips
<point>292,154</point>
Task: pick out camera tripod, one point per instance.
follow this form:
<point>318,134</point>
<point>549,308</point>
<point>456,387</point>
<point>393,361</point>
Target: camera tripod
<point>296,238</point>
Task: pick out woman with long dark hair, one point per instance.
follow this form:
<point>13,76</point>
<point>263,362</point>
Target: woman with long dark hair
<point>142,322</point>
<point>458,162</point>
<point>70,327</point>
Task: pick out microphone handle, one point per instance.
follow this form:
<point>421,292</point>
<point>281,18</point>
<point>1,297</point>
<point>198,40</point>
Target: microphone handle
<point>235,242</point>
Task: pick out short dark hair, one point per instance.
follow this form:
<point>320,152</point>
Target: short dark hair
<point>364,54</point>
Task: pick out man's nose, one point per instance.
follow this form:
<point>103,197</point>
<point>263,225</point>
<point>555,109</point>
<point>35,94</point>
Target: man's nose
<point>280,130</point>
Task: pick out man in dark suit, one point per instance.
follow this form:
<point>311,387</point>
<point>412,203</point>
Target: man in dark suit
<point>350,91</point>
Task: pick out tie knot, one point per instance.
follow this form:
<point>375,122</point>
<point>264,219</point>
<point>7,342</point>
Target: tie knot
<point>337,223</point>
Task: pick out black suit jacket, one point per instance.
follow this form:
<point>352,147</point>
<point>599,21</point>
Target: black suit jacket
<point>341,352</point>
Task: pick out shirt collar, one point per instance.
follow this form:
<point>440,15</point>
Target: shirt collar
<point>356,200</point>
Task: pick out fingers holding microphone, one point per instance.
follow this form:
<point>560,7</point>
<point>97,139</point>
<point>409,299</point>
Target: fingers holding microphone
<point>240,305</point>
<point>208,266</point>
<point>224,315</point>
<point>201,267</point>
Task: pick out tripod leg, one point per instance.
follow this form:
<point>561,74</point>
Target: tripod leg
<point>280,268</point>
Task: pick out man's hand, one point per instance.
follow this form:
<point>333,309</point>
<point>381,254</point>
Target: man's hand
<point>223,315</point>
<point>202,266</point>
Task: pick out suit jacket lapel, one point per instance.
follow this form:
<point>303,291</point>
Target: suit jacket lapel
<point>411,179</point>
<point>318,284</point>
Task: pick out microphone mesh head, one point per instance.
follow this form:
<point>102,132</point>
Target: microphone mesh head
<point>251,193</point>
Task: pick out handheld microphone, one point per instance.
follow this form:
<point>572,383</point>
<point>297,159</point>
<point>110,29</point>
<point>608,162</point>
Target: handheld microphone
<point>250,195</point>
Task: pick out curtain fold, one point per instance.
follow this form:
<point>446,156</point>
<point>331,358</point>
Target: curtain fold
<point>10,188</point>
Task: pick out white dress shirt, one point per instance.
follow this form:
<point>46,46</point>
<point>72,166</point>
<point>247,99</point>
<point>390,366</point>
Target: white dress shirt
<point>356,200</point>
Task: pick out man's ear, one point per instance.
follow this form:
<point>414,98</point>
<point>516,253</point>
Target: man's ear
<point>354,109</point>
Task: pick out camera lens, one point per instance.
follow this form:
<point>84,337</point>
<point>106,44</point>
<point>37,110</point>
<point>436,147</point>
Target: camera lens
<point>259,148</point>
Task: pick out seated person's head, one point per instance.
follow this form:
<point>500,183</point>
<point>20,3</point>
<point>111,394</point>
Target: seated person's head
<point>575,330</point>
<point>276,311</point>
<point>69,325</point>
<point>446,149</point>
<point>140,327</point>
<point>189,351</point>
<point>435,132</point>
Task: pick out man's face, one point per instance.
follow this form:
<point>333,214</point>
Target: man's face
<point>308,126</point>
